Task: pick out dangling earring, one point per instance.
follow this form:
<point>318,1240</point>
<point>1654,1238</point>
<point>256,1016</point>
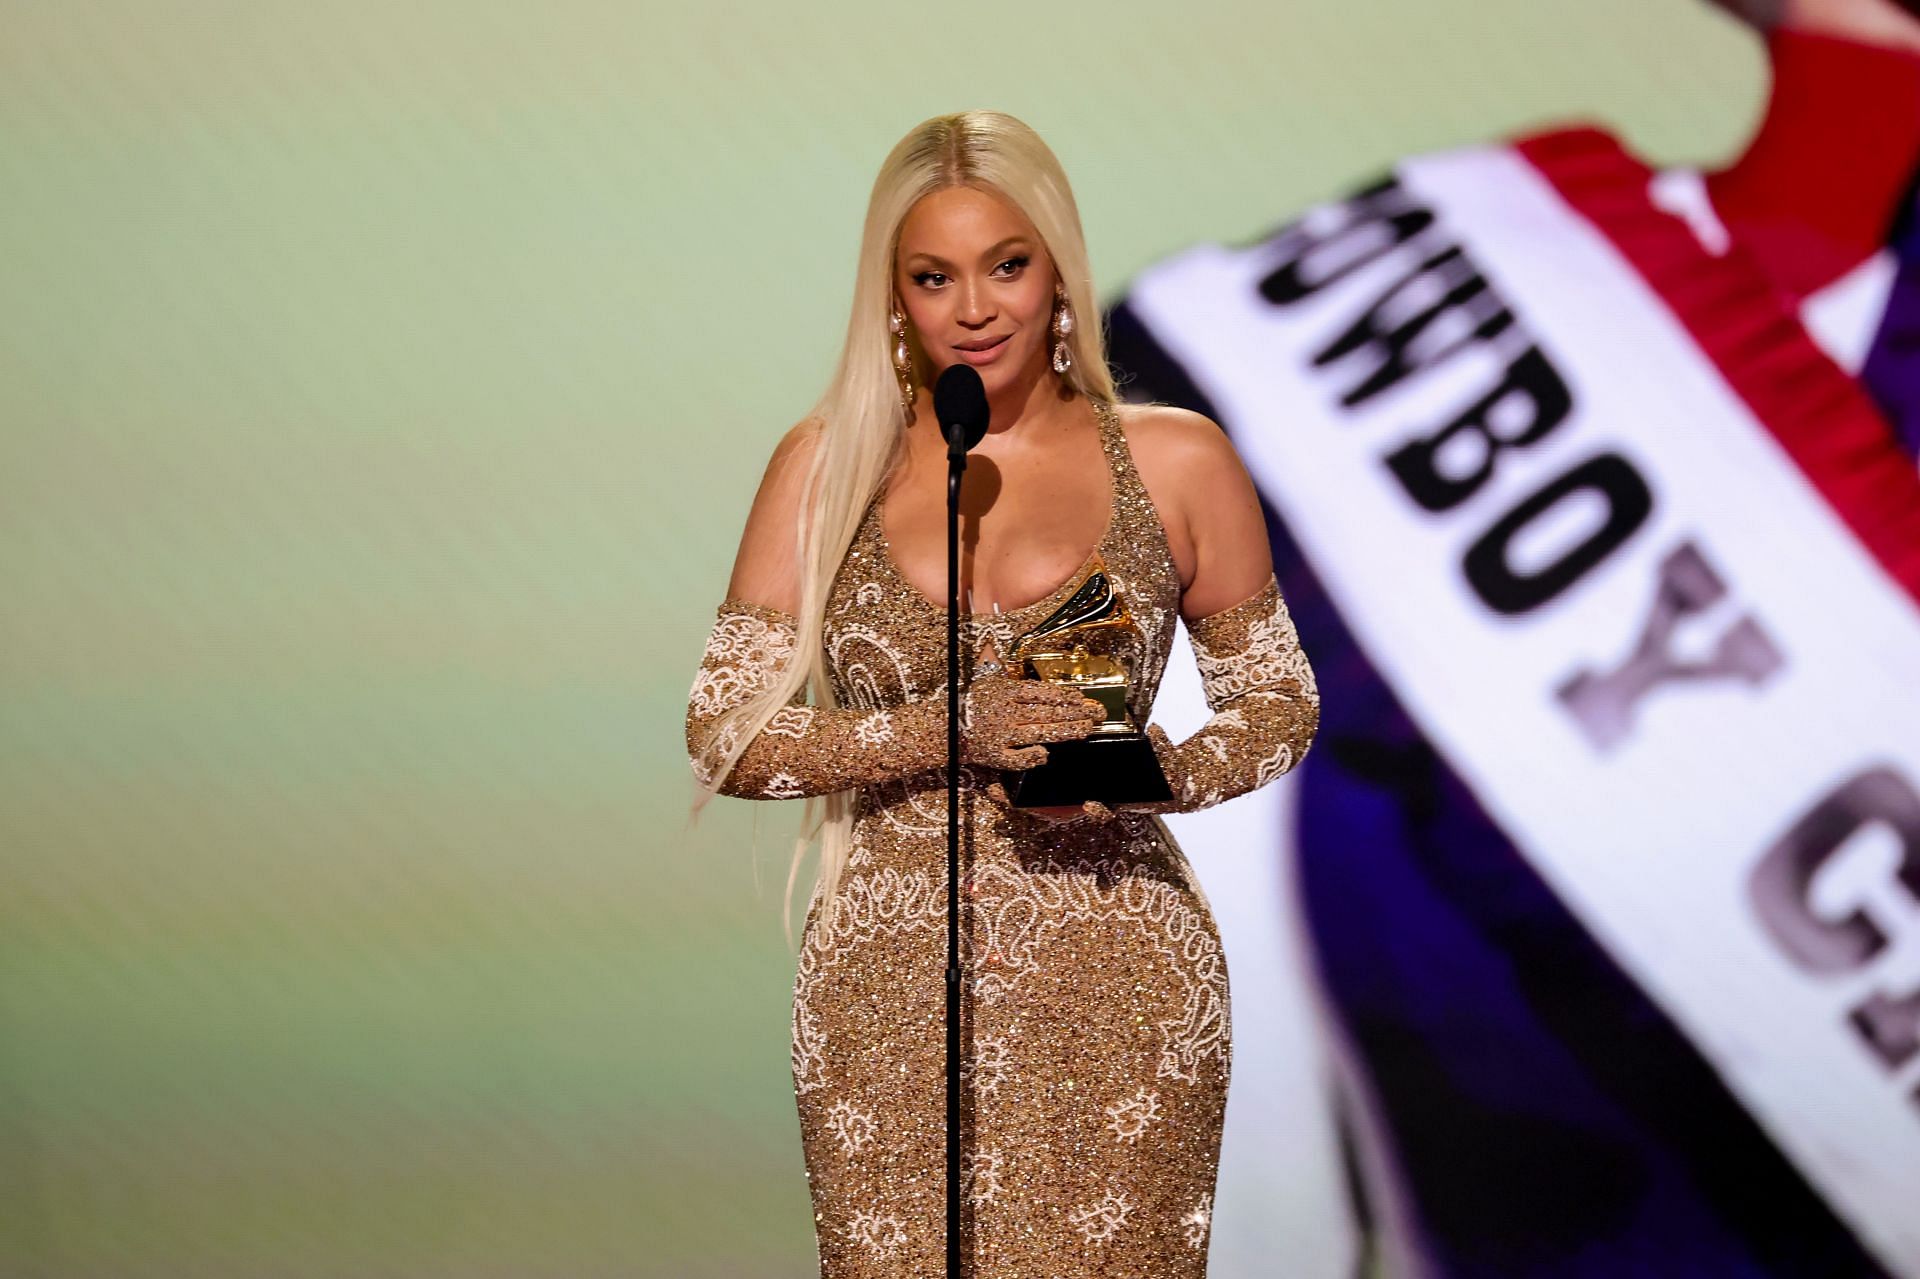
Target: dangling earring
<point>902,359</point>
<point>1062,329</point>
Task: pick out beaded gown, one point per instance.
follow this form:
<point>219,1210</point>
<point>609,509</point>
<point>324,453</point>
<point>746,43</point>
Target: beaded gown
<point>1095,1017</point>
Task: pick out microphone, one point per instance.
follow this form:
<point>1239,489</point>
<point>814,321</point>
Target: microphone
<point>960,403</point>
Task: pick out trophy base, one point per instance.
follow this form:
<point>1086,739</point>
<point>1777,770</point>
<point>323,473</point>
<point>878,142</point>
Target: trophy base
<point>1113,768</point>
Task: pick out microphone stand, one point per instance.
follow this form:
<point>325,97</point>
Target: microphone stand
<point>960,404</point>
<point>956,466</point>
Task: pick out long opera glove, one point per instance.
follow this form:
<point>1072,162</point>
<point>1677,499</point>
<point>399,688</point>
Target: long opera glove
<point>803,750</point>
<point>811,750</point>
<point>1266,706</point>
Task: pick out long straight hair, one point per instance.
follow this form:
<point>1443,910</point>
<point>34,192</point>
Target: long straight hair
<point>860,418</point>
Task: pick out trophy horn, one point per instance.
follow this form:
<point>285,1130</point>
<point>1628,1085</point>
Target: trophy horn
<point>1094,604</point>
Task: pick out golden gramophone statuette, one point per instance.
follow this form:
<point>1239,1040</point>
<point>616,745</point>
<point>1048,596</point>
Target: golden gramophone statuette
<point>1115,763</point>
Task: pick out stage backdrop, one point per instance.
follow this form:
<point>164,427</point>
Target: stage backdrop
<point>382,388</point>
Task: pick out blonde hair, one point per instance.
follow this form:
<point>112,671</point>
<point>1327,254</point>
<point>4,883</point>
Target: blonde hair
<point>860,417</point>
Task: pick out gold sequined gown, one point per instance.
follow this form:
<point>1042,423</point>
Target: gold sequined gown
<point>1095,1015</point>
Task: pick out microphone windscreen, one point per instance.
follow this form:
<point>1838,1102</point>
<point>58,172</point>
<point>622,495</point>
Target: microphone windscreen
<point>960,402</point>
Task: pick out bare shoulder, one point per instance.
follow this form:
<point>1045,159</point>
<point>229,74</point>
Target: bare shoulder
<point>1179,447</point>
<point>1185,459</point>
<point>1215,524</point>
<point>766,569</point>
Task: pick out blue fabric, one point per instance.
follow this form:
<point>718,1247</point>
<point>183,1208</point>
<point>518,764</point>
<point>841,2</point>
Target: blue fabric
<point>1892,370</point>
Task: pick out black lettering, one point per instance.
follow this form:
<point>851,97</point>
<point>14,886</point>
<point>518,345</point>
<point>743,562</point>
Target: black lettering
<point>1363,229</point>
<point>1530,386</point>
<point>1434,311</point>
<point>1489,567</point>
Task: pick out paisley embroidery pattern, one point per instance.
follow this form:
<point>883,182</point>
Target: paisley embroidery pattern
<point>1099,1222</point>
<point>1267,654</point>
<point>744,651</point>
<point>881,1234</point>
<point>1132,1116</point>
<point>852,1126</point>
<point>1266,704</point>
<point>981,1169</point>
<point>1023,909</point>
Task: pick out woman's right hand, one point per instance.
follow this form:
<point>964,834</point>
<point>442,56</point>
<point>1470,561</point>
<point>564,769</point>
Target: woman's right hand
<point>1004,722</point>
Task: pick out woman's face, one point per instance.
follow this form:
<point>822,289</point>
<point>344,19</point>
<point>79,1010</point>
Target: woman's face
<point>976,285</point>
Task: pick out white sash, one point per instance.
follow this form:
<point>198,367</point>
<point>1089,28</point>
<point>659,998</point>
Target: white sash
<point>1671,814</point>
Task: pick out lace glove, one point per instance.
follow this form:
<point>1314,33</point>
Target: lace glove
<point>1003,720</point>
<point>1266,706</point>
<point>810,750</point>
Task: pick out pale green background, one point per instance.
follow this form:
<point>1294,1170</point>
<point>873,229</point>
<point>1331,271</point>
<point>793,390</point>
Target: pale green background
<point>384,385</point>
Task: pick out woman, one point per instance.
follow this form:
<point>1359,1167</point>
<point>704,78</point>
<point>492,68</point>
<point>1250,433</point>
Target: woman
<point>1095,1016</point>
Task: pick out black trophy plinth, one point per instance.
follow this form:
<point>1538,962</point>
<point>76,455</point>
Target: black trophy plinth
<point>1113,768</point>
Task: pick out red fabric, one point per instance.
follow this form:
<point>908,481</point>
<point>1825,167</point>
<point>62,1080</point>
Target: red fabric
<point>1754,337</point>
<point>1817,189</point>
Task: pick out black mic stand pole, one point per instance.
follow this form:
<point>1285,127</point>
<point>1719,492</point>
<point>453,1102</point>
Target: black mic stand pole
<point>956,466</point>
